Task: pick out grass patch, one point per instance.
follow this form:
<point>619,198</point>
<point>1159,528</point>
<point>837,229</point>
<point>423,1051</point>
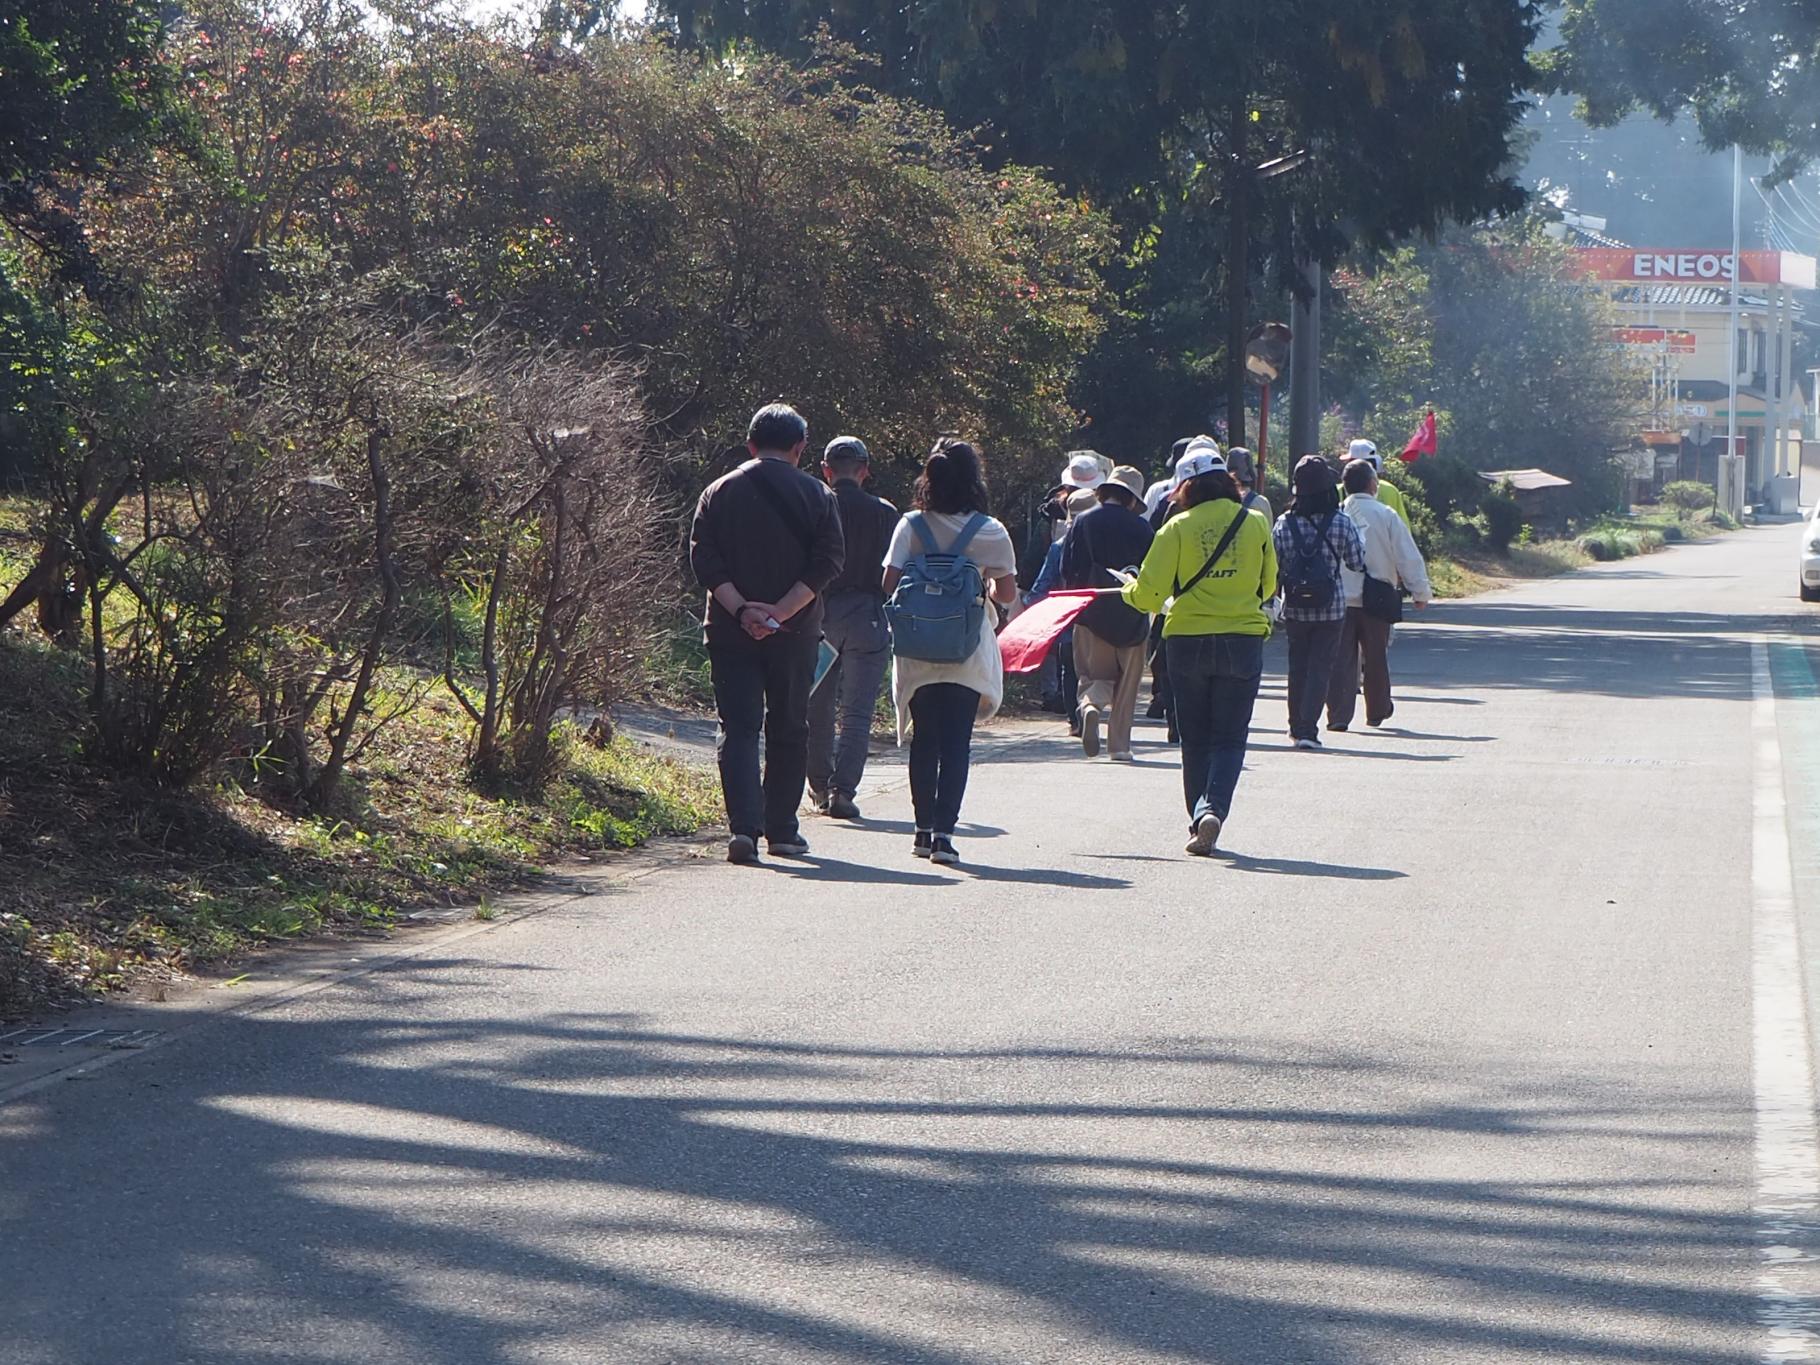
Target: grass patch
<point>109,879</point>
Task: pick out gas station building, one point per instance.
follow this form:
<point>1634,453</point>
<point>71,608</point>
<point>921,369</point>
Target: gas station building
<point>1674,310</point>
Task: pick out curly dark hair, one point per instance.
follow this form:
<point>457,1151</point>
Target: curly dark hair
<point>953,479</point>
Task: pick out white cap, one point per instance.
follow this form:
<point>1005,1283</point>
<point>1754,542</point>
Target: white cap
<point>1202,457</point>
<point>1084,470</point>
<point>1366,451</point>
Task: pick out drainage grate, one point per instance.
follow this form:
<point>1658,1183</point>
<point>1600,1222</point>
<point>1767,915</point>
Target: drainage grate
<point>40,1036</point>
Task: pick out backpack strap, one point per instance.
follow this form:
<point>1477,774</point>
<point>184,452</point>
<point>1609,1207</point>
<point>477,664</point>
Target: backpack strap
<point>974,524</point>
<point>919,527</point>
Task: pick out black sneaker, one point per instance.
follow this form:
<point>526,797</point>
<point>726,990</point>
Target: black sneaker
<point>742,848</point>
<point>787,848</point>
<point>841,807</point>
<point>941,849</point>
<point>925,842</point>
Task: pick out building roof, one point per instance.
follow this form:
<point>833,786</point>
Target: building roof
<point>1525,480</point>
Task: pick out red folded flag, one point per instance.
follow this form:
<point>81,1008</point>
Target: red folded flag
<point>1025,643</point>
<point>1423,442</point>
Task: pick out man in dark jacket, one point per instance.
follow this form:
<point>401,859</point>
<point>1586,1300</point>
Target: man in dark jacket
<point>854,625</point>
<point>1109,637</point>
<point>765,542</point>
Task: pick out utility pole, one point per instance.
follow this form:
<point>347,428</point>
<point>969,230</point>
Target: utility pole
<point>1238,267</point>
<point>1305,367</point>
<point>1731,476</point>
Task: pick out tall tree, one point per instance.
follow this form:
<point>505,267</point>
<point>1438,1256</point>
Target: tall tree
<point>1748,72</point>
<point>1163,109</point>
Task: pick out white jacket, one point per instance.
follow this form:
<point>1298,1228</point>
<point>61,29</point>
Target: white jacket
<point>1390,551</point>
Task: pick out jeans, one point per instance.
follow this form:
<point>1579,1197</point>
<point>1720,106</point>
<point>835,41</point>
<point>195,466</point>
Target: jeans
<point>1313,646</point>
<point>763,685</point>
<point>1364,649</point>
<point>941,745</point>
<point>1215,679</point>
<point>854,625</point>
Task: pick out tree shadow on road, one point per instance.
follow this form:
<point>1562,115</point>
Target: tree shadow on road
<point>515,1187</point>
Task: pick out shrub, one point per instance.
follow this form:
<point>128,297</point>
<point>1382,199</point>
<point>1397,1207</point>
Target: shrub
<point>1503,518</point>
<point>1687,495</point>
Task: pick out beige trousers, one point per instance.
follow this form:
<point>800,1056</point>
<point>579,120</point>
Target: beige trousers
<point>1109,678</point>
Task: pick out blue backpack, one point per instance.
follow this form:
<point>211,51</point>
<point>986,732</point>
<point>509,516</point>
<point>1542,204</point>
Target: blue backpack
<point>939,605</point>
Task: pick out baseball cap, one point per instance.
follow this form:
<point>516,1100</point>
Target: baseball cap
<point>850,446</point>
<point>1365,450</point>
<point>1202,457</point>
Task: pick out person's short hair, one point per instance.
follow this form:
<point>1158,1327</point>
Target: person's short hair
<point>777,426</point>
<point>846,456</point>
<point>1359,476</point>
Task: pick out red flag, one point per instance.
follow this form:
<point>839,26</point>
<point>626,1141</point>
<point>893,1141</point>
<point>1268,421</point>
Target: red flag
<point>1025,643</point>
<point>1423,442</point>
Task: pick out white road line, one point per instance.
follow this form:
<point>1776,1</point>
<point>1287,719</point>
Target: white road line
<point>1787,1202</point>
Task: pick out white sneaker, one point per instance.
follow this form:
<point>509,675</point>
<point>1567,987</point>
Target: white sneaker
<point>1206,835</point>
<point>1125,756</point>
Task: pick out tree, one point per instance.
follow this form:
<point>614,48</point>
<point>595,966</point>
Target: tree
<point>82,82</point>
<point>1404,109</point>
<point>1494,328</point>
<point>1749,73</point>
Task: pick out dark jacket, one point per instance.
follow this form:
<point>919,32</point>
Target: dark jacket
<point>866,523</point>
<point>765,545</point>
<point>1102,538</point>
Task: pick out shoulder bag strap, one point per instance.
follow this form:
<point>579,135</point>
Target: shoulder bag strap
<point>965,538</point>
<point>785,513</point>
<point>1226,540</point>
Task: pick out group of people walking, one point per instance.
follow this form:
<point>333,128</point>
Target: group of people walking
<point>817,588</point>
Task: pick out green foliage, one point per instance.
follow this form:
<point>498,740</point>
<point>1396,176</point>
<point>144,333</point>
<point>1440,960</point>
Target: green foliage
<point>1688,495</point>
<point>1503,518</point>
<point>1519,364</point>
<point>1750,73</point>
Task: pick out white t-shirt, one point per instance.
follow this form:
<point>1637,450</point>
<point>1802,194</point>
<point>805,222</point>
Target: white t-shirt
<point>990,548</point>
<point>984,672</point>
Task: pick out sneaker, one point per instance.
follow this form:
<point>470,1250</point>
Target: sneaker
<point>1206,835</point>
<point>1308,744</point>
<point>924,844</point>
<point>1337,729</point>
<point>841,807</point>
<point>941,849</point>
<point>742,848</point>
<point>1391,711</point>
<point>797,847</point>
<point>818,801</point>
<point>1126,756</point>
<point>1090,731</point>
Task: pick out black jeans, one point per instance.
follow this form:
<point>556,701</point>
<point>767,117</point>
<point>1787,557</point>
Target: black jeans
<point>763,685</point>
<point>1215,678</point>
<point>1313,646</point>
<point>941,746</point>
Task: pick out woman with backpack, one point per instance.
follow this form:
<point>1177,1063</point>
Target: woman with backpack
<point>1314,538</point>
<point>1216,566</point>
<point>946,558</point>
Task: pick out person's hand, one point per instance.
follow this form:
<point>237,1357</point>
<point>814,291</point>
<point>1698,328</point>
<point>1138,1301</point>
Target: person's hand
<point>1421,605</point>
<point>756,618</point>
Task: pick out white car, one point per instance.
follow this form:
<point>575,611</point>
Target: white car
<point>1810,558</point>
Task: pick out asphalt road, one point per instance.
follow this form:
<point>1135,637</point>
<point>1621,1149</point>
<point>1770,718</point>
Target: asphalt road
<point>1449,1061</point>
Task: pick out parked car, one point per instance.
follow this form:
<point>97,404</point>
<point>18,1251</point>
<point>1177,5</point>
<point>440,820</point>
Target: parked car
<point>1810,557</point>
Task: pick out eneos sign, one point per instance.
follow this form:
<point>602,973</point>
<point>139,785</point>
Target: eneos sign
<point>1622,264</point>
